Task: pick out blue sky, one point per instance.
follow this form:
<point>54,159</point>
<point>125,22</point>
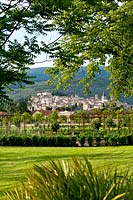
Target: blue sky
<point>19,35</point>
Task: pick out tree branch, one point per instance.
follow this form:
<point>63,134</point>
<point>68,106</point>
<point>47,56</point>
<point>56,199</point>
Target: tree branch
<point>55,40</point>
<point>43,61</point>
<point>15,27</point>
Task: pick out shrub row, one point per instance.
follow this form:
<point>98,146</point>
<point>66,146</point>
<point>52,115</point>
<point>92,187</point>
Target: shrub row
<point>57,141</point>
<point>66,141</point>
<point>116,140</point>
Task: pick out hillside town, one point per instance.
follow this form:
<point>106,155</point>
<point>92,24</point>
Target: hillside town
<point>46,101</point>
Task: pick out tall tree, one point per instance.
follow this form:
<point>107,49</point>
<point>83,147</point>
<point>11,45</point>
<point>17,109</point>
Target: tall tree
<point>33,16</point>
<point>100,32</point>
<point>14,55</point>
<point>92,30</point>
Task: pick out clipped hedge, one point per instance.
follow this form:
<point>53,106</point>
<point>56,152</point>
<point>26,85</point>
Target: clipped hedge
<point>45,141</point>
<point>66,141</point>
<point>116,140</point>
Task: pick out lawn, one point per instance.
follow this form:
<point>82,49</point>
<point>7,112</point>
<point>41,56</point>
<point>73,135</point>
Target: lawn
<point>14,161</point>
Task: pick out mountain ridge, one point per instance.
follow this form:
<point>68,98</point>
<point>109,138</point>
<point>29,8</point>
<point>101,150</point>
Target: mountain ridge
<point>40,78</point>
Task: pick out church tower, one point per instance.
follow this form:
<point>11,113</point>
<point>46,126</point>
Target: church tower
<point>103,98</point>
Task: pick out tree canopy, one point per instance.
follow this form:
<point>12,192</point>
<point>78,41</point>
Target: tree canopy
<point>93,31</point>
<point>100,32</point>
<point>34,17</point>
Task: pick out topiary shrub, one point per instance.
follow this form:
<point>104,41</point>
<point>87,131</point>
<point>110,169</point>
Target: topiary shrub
<point>98,140</point>
<point>68,141</point>
<point>60,141</point>
<point>82,140</point>
<point>51,141</point>
<point>15,141</point>
<point>28,141</point>
<point>43,141</point>
<point>12,140</point>
<point>123,140</point>
<point>4,141</point>
<point>90,140</point>
<point>19,141</point>
<point>73,140</point>
<point>130,139</point>
<point>35,140</point>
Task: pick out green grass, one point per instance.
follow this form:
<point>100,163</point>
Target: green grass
<point>14,161</point>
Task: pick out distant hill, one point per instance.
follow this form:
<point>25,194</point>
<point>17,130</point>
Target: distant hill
<point>40,78</point>
<point>39,74</point>
<point>99,86</point>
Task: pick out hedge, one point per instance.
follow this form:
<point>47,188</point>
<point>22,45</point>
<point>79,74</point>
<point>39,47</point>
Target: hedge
<point>66,141</point>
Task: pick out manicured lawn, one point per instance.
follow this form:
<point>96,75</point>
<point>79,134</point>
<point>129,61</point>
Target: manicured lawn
<point>14,161</point>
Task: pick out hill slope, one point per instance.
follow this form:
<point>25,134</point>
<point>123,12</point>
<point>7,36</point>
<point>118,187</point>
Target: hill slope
<point>98,87</point>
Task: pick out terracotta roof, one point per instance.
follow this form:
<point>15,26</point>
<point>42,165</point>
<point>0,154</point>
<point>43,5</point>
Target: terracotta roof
<point>45,112</point>
<point>3,113</point>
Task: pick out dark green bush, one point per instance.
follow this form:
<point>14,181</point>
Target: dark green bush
<point>98,140</point>
<point>82,140</point>
<point>113,140</point>
<point>43,141</point>
<point>28,141</point>
<point>73,139</point>
<point>4,141</point>
<point>123,140</point>
<point>60,141</point>
<point>35,140</point>
<point>15,141</point>
<point>51,141</point>
<point>12,140</point>
<point>55,127</point>
<point>130,139</point>
<point>68,142</point>
<point>20,141</point>
<point>90,140</point>
<point>106,139</point>
<point>65,140</point>
<point>76,133</point>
